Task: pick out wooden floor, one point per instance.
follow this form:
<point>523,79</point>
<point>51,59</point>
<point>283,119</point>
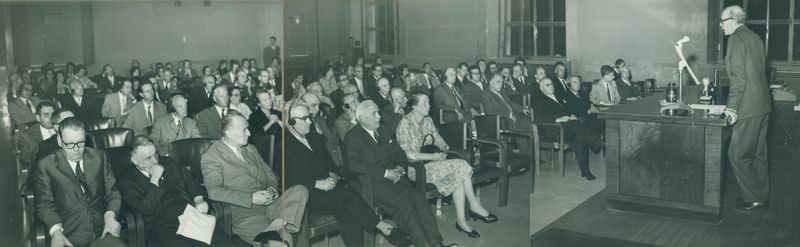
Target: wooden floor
<point>778,226</point>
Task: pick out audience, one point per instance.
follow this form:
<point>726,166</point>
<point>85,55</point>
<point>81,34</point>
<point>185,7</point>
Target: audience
<point>201,96</point>
<point>173,126</point>
<point>50,145</point>
<point>209,120</point>
<point>450,176</point>
<point>472,88</point>
<point>560,82</point>
<point>106,80</point>
<point>235,174</point>
<point>392,113</point>
<point>320,126</point>
<point>145,112</point>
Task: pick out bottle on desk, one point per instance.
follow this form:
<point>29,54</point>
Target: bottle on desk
<point>672,93</point>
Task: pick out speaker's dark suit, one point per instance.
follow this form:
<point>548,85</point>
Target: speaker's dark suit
<point>87,110</point>
<point>581,138</point>
<point>161,205</point>
<point>59,198</point>
<point>749,95</point>
<point>304,166</point>
<point>408,205</point>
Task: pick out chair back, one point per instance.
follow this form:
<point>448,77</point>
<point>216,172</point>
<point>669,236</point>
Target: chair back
<point>265,144</point>
<point>454,134</point>
<point>488,126</point>
<point>100,123</point>
<point>120,160</point>
<point>187,153</point>
<point>110,138</point>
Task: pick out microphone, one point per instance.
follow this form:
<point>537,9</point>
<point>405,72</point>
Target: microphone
<point>683,40</point>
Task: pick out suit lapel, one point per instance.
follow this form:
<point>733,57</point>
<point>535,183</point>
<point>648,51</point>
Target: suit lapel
<point>91,171</point>
<point>63,166</point>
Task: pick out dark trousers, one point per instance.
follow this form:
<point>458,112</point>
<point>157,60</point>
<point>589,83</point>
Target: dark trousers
<point>352,213</point>
<point>582,139</point>
<point>748,157</point>
<point>410,210</point>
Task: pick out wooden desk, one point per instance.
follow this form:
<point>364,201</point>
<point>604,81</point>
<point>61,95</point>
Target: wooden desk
<point>662,165</point>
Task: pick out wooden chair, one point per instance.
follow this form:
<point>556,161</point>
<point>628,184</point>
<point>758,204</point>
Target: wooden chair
<point>100,123</point>
<point>559,144</point>
<point>110,138</point>
<point>187,153</point>
<point>487,169</point>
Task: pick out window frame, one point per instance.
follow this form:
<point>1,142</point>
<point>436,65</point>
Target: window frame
<point>374,48</point>
<point>509,24</point>
<point>792,22</point>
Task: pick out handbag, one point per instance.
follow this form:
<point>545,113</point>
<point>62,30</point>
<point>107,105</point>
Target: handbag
<point>429,148</point>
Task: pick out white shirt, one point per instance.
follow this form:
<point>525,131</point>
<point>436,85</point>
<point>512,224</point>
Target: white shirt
<point>219,111</point>
<point>608,91</point>
<point>123,99</point>
<point>360,85</point>
<point>176,119</point>
<point>47,133</point>
<point>29,103</point>
<point>236,150</point>
<point>553,97</point>
<point>371,133</point>
<point>78,100</point>
<point>301,138</point>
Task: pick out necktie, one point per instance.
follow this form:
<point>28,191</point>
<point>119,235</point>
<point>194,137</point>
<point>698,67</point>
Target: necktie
<point>178,123</point>
<point>122,101</point>
<point>377,137</point>
<point>30,107</point>
<point>458,97</point>
<point>81,177</point>
<point>149,114</point>
<point>608,90</point>
<point>224,112</point>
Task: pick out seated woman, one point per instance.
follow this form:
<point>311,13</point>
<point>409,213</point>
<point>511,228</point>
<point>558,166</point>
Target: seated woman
<point>81,75</point>
<point>451,176</point>
<point>236,102</point>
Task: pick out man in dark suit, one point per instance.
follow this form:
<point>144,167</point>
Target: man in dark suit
<point>106,81</point>
<point>560,82</point>
<point>319,126</point>
<point>23,108</point>
<point>50,145</point>
<point>167,87</point>
<point>391,114</point>
<point>381,97</point>
<point>371,82</point>
<point>200,97</point>
<point>373,151</point>
<point>209,120</point>
<point>578,104</point>
<point>308,163</point>
<point>473,89</point>
<point>235,174</point>
<point>358,81</point>
<point>161,191</point>
<point>28,140</point>
<point>549,109</point>
<point>271,51</point>
<point>448,97</point>
<point>748,108</point>
<point>145,112</point>
<point>116,104</point>
<point>496,103</point>
<point>85,108</point>
<point>346,120</point>
<point>521,84</point>
<point>76,192</point>
<point>462,74</point>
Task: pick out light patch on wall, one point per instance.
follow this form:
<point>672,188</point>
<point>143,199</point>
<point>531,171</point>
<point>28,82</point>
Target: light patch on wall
<point>53,19</point>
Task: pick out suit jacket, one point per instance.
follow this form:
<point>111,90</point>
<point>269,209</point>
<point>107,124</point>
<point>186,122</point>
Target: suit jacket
<point>381,101</point>
<point>182,76</point>
<point>59,198</point>
<point>160,205</point>
<point>599,93</point>
<point>546,110</point>
<point>493,104</point>
<point>370,87</point>
<point>626,91</point>
<point>332,141</point>
<point>20,112</point>
<point>304,166</point>
<point>578,105</point>
<point>111,107</point>
<point>199,100</point>
<point>104,83</point>
<point>443,98</point>
<point>429,78</point>
<point>28,143</point>
<point>165,132</point>
<point>232,180</point>
<point>561,91</point>
<point>270,53</point>
<point>749,90</point>
<point>390,119</point>
<point>343,124</point>
<point>362,154</point>
<point>472,94</point>
<point>209,122</point>
<point>165,92</point>
<point>86,111</point>
<point>46,147</point>
<point>137,116</point>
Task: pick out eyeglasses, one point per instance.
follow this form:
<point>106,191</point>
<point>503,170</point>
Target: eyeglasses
<point>724,20</point>
<point>306,118</point>
<point>73,145</point>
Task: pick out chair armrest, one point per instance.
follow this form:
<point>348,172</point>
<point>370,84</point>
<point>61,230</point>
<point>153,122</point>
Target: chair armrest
<point>497,143</point>
<point>224,216</point>
<point>134,223</point>
<point>419,170</point>
<point>515,133</point>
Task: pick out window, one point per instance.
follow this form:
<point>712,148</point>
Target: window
<point>778,24</point>
<point>381,27</point>
<point>535,28</point>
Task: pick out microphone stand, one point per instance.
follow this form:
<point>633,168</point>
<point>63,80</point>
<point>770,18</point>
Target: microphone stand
<point>680,108</point>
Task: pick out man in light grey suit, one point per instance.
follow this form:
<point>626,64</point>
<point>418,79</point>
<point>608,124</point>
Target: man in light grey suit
<point>23,108</point>
<point>174,126</point>
<point>234,173</point>
<point>209,120</point>
<point>116,104</point>
<point>604,91</point>
<point>145,112</point>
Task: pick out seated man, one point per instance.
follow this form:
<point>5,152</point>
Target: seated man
<point>160,191</point>
<point>448,97</point>
<point>145,112</point>
<point>173,126</point>
<point>579,105</point>
<point>347,120</point>
<point>548,109</point>
<point>76,192</point>
<point>319,126</point>
<point>209,120</point>
<point>23,109</point>
<point>513,116</point>
<point>308,163</point>
<point>235,174</point>
<point>28,141</point>
<point>393,112</point>
<point>115,105</point>
<point>374,152</point>
<point>604,91</point>
<point>50,145</point>
<point>83,106</point>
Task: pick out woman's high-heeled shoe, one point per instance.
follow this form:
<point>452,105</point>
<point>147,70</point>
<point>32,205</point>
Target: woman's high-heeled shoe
<point>471,234</point>
<point>491,218</point>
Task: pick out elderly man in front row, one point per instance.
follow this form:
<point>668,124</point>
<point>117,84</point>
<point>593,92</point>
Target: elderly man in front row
<point>76,193</point>
<point>374,151</point>
<point>173,126</point>
<point>234,173</point>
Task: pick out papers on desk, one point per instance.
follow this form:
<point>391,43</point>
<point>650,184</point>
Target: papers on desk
<point>797,108</point>
<point>196,225</point>
<point>712,109</point>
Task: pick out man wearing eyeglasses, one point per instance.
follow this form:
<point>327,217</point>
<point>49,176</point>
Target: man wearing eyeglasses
<point>76,193</point>
<point>23,108</point>
<point>747,109</point>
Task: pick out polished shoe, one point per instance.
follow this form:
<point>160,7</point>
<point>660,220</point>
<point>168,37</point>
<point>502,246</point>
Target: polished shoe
<point>588,175</point>
<point>398,238</point>
<point>472,234</point>
<point>491,218</point>
<point>267,236</point>
<point>752,206</point>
